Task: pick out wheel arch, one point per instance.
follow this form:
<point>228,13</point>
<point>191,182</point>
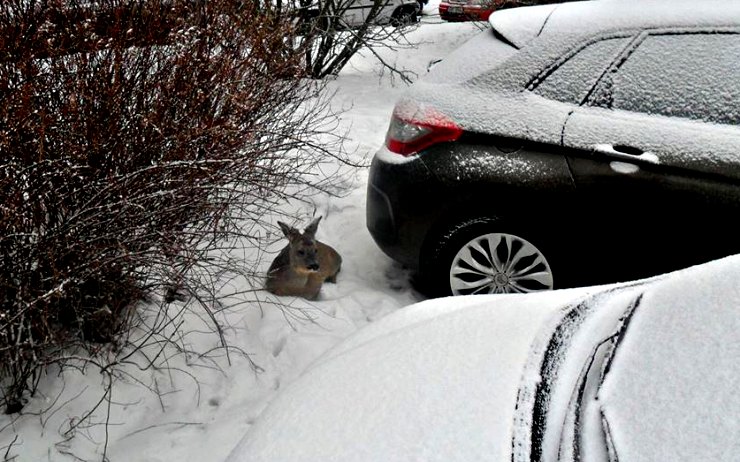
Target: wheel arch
<point>536,230</point>
<point>464,210</point>
<point>406,8</point>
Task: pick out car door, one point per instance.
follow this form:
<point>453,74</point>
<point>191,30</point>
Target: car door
<point>654,150</point>
<point>566,83</point>
<point>377,11</point>
<point>352,11</point>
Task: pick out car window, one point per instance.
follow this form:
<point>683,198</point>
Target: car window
<point>571,81</point>
<point>695,76</point>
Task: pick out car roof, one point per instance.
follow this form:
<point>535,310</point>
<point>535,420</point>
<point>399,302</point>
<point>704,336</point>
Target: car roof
<point>519,26</point>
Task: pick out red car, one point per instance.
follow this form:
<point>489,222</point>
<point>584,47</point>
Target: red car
<point>470,10</point>
<point>480,10</point>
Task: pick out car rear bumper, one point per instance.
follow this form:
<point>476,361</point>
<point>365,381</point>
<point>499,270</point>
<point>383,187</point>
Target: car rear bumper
<point>403,200</point>
<point>463,13</point>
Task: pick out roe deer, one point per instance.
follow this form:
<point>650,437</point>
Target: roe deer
<point>303,265</point>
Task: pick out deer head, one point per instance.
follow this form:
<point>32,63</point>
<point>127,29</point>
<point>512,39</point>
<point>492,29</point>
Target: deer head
<point>302,247</point>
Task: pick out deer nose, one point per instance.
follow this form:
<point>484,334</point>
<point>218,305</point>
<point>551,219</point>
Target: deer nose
<point>313,267</point>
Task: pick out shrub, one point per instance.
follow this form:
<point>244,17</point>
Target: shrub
<point>133,136</point>
<point>329,42</point>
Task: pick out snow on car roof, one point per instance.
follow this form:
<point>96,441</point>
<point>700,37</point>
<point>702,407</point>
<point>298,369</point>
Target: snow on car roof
<point>521,25</point>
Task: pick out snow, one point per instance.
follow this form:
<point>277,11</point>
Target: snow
<point>519,26</point>
<point>453,379</point>
<point>624,167</point>
<point>681,355</point>
<point>477,55</point>
<point>710,148</point>
<point>433,381</point>
<point>584,17</point>
<point>390,157</point>
<point>657,80</point>
<point>573,78</point>
<point>200,408</point>
<point>436,382</point>
<point>645,157</point>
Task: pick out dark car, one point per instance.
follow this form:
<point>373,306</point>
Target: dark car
<point>572,144</point>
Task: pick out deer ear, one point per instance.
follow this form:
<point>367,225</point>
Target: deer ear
<point>311,229</point>
<point>289,231</point>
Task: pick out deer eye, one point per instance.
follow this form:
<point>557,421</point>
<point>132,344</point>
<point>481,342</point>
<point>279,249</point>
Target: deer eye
<point>301,253</point>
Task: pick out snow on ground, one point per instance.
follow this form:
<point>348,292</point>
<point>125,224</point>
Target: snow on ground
<point>198,410</point>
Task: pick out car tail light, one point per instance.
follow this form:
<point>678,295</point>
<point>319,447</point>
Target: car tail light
<point>415,127</point>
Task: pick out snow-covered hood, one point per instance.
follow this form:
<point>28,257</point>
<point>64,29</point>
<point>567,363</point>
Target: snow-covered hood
<point>436,381</point>
<point>459,379</point>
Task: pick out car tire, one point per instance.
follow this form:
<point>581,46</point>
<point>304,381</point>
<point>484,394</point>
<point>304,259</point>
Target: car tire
<point>485,255</point>
<point>404,17</point>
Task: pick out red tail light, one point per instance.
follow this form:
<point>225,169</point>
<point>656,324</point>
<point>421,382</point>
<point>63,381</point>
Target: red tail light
<point>415,127</point>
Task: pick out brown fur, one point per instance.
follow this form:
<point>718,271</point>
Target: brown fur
<point>301,268</point>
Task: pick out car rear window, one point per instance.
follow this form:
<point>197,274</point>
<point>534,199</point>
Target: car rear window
<point>479,54</point>
<point>571,80</point>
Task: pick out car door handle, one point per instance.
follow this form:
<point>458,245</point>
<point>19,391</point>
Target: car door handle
<point>627,154</point>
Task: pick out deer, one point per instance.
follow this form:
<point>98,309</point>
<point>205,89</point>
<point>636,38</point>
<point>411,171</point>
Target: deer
<point>302,267</point>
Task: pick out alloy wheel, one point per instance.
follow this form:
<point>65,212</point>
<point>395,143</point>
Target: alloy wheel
<point>498,263</point>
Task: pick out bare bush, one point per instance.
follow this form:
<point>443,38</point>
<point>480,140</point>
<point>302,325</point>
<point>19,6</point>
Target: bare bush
<point>330,32</point>
<point>331,49</point>
<point>136,140</point>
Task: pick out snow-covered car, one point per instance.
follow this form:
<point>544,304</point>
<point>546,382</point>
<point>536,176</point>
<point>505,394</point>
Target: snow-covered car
<point>642,371</point>
<point>571,144</point>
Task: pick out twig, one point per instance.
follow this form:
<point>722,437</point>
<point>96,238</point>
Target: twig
<point>9,447</point>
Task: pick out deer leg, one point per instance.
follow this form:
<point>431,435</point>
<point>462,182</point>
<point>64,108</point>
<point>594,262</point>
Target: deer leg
<point>333,277</point>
